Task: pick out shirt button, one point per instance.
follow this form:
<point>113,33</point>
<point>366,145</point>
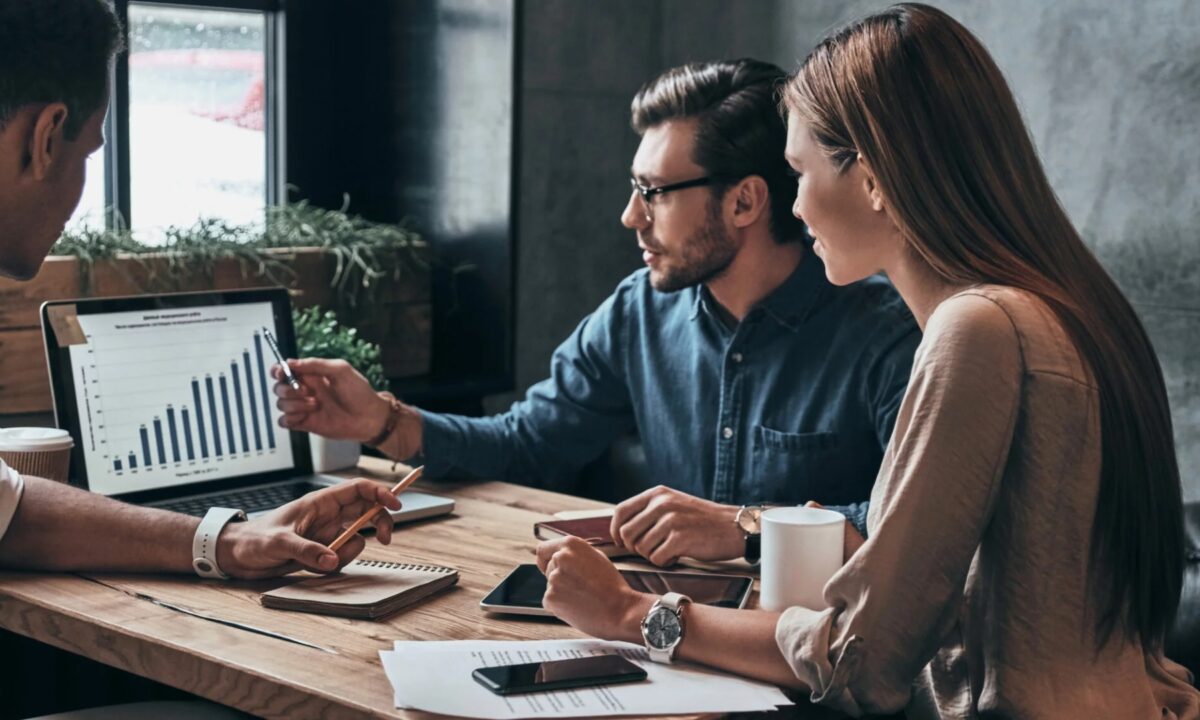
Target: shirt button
<point>727,433</point>
<point>737,357</point>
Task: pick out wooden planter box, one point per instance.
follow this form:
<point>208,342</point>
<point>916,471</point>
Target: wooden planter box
<point>399,319</point>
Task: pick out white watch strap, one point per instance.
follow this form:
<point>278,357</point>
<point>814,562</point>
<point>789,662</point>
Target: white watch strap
<point>204,544</point>
<point>674,601</point>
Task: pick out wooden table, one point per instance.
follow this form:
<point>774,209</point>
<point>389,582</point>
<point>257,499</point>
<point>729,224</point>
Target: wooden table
<point>98,616</point>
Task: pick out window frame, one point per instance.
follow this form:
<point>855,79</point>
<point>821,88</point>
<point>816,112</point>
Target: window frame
<point>117,195</point>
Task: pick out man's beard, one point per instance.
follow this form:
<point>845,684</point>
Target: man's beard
<point>706,255</point>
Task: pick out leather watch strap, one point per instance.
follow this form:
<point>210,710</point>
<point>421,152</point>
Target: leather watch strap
<point>753,548</point>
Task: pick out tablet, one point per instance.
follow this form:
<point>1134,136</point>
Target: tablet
<point>521,592</point>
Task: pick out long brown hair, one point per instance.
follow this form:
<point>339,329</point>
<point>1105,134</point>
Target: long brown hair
<point>919,97</point>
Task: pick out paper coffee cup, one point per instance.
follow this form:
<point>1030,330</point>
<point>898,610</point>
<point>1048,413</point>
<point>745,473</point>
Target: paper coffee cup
<point>801,550</point>
<point>44,452</point>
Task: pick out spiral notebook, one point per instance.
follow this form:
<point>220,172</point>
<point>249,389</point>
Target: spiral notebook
<point>367,589</point>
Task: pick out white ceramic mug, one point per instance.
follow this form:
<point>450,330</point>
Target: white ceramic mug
<point>43,452</point>
<point>801,549</point>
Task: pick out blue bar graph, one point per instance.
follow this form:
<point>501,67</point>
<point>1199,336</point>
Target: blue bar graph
<point>158,441</point>
<point>212,413</point>
<point>145,446</point>
<point>174,436</point>
<point>187,433</point>
<point>253,405</point>
<point>199,406</point>
<point>266,404</point>
<point>237,395</point>
<point>248,389</point>
<point>228,415</point>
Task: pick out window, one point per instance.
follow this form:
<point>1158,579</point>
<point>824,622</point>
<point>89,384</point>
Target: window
<point>191,130</point>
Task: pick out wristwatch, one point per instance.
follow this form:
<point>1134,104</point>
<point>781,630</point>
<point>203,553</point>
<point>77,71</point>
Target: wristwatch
<point>662,628</point>
<point>204,544</point>
<point>749,519</point>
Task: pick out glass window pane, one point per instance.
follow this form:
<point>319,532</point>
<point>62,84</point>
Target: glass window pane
<point>90,212</point>
<point>197,140</point>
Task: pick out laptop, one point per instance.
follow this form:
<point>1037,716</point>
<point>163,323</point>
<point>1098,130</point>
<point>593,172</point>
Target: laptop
<point>171,405</point>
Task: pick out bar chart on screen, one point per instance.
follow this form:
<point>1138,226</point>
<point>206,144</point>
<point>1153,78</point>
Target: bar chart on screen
<point>175,396</point>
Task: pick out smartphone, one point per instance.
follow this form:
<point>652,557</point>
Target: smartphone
<point>558,674</point>
<point>521,592</point>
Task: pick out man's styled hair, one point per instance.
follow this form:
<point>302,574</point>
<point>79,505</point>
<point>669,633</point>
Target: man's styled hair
<point>56,51</point>
<point>739,130</point>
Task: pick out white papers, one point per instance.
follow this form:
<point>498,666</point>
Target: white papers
<point>436,677</point>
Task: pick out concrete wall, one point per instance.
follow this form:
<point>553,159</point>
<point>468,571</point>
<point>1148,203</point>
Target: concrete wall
<point>1111,92</point>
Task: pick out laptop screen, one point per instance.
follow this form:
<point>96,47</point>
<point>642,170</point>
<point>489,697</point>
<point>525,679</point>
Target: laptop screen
<point>171,390</point>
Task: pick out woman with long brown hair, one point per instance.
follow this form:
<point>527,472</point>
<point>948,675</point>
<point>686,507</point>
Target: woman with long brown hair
<point>1025,553</point>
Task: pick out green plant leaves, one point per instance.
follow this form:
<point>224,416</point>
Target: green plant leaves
<point>320,335</point>
<point>364,251</point>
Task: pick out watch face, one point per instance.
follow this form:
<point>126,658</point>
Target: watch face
<point>662,628</point>
<point>750,520</point>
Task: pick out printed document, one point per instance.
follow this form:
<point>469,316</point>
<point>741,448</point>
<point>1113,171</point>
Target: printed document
<point>436,677</point>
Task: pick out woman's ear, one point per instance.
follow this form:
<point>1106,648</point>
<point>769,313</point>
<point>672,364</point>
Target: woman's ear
<point>870,186</point>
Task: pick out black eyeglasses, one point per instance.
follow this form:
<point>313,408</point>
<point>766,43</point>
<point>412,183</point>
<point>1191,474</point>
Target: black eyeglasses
<point>649,193</point>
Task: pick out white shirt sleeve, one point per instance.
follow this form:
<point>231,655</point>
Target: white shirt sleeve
<point>11,487</point>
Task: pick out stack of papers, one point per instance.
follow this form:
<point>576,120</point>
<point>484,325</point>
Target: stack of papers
<point>436,677</point>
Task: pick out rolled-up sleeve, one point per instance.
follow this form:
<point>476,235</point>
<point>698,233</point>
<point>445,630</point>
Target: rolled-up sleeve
<point>12,485</point>
<point>896,600</point>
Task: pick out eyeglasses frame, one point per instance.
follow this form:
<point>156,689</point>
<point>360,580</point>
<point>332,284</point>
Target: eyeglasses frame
<point>648,193</point>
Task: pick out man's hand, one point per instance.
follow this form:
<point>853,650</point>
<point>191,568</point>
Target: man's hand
<point>334,400</point>
<point>584,590</point>
<point>852,540</point>
<point>296,536</point>
<point>663,525</point>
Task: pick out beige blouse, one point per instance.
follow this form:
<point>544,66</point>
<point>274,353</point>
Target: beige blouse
<point>970,598</point>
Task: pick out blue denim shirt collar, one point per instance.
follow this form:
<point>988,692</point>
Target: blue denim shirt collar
<point>790,304</point>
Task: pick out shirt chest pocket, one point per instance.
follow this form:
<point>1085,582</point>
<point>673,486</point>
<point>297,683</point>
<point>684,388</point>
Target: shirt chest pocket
<point>787,467</point>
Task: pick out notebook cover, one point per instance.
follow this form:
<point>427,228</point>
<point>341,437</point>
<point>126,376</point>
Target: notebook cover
<point>367,589</point>
<point>595,530</point>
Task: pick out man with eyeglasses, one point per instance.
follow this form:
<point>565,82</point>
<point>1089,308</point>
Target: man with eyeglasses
<point>749,378</point>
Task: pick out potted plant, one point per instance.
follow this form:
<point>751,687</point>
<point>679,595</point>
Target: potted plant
<point>320,335</point>
<point>377,276</point>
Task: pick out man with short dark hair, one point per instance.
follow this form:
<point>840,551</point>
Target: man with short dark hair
<point>748,376</point>
<point>54,62</point>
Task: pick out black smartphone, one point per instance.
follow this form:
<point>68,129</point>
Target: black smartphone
<point>558,674</point>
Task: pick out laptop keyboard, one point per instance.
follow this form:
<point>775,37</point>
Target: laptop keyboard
<point>255,499</point>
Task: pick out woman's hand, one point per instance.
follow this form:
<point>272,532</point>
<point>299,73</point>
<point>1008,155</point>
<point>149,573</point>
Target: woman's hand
<point>584,590</point>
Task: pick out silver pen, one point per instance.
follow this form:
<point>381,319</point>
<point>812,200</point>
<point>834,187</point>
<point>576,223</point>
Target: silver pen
<point>287,371</point>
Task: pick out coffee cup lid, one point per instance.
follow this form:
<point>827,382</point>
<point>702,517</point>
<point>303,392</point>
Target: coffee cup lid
<point>34,439</point>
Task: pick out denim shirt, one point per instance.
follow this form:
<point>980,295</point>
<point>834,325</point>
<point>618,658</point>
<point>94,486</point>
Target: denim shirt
<point>795,403</point>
